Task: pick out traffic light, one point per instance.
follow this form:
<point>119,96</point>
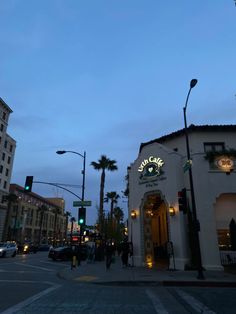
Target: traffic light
<point>82,216</point>
<point>28,183</point>
<point>182,200</point>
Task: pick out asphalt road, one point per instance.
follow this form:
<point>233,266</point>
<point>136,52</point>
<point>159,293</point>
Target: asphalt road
<point>29,284</point>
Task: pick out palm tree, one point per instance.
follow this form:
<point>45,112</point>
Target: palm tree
<point>113,197</point>
<point>72,220</point>
<point>103,164</point>
<point>119,216</point>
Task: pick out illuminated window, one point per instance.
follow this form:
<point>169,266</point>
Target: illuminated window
<point>224,239</point>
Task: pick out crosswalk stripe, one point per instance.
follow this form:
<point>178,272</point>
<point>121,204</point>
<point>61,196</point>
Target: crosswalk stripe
<point>156,302</point>
<point>37,267</point>
<point>25,303</point>
<point>198,306</point>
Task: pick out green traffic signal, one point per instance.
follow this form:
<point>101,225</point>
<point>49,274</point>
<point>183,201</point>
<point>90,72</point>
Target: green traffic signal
<point>82,216</point>
<point>28,183</point>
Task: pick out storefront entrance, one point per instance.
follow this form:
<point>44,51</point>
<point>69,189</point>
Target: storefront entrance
<point>226,227</point>
<point>155,223</point>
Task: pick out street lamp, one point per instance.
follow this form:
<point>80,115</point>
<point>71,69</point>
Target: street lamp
<point>196,224</point>
<point>61,152</point>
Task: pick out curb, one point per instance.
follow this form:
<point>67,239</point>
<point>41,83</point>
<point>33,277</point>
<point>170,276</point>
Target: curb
<point>217,284</point>
<point>165,283</point>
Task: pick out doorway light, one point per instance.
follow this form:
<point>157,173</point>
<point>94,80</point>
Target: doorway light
<point>133,214</point>
<point>171,211</point>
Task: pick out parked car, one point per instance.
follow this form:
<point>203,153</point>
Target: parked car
<point>60,253</point>
<point>8,249</point>
<point>65,252</point>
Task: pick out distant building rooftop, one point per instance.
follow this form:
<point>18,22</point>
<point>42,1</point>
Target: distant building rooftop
<point>2,102</point>
<point>191,128</point>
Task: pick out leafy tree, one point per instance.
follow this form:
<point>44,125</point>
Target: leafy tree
<point>103,164</point>
<point>11,198</point>
<point>126,191</point>
<point>42,209</point>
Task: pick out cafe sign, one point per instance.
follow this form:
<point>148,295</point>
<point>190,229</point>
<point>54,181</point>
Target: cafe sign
<point>224,163</point>
<point>150,167</point>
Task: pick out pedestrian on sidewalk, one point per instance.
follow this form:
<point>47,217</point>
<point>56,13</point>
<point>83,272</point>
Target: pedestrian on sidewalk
<point>91,253</point>
<point>109,250</point>
<point>125,252</point>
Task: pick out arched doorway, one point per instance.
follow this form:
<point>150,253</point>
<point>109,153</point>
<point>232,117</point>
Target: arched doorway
<point>155,227</point>
<point>225,213</point>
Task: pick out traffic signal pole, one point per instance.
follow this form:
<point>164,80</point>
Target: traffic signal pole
<point>82,210</point>
<point>60,152</point>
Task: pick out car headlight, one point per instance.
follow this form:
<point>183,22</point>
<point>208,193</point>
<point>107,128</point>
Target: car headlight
<point>1,250</point>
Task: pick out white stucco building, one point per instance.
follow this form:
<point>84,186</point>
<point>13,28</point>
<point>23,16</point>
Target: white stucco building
<point>156,177</point>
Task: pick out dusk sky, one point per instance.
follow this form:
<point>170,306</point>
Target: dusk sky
<point>103,76</point>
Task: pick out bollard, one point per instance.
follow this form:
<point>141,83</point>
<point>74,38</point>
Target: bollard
<point>73,262</point>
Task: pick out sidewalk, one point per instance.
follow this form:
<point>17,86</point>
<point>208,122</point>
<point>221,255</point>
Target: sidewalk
<point>117,275</point>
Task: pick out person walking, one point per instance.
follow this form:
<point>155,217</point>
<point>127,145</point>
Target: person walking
<point>125,253</point>
<point>91,253</point>
<point>109,254</point>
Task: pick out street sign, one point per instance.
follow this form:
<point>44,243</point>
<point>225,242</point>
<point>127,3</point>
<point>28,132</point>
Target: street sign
<point>82,203</point>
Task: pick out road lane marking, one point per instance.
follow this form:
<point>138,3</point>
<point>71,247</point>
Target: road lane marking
<point>156,302</point>
<point>19,281</point>
<point>17,271</point>
<point>198,306</point>
<point>37,267</point>
<point>30,300</point>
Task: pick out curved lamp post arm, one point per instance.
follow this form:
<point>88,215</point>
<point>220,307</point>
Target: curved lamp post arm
<point>61,152</point>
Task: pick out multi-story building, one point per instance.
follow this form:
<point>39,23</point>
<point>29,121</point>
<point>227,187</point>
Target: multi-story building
<point>33,218</point>
<point>7,152</point>
<point>160,227</point>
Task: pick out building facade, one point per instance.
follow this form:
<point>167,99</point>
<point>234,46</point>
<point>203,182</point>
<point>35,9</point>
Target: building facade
<point>32,218</point>
<point>162,232</point>
<point>7,152</point>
